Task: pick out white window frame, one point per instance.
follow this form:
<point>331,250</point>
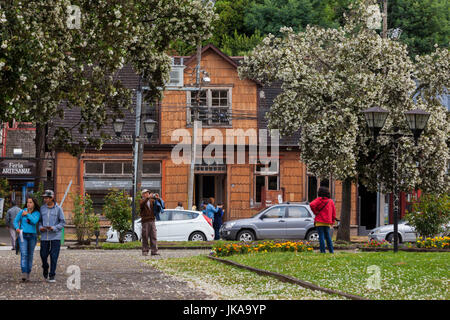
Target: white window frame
<point>189,95</point>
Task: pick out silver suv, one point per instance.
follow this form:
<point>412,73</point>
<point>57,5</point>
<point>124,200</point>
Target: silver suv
<point>281,221</point>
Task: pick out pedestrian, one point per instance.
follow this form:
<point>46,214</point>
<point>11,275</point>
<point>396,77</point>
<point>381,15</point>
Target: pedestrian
<point>325,212</point>
<point>147,205</point>
<point>179,206</point>
<point>159,206</point>
<point>217,222</point>
<point>25,226</point>
<point>50,225</point>
<point>211,210</point>
<point>10,216</point>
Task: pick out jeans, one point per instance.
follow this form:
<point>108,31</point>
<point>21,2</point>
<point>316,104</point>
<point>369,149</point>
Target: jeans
<point>50,247</point>
<point>27,251</point>
<point>324,235</point>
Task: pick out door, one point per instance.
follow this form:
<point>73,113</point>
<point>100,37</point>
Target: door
<point>272,223</point>
<point>163,226</point>
<point>297,221</point>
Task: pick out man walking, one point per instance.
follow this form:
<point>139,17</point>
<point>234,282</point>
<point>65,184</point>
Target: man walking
<point>10,216</point>
<point>51,224</point>
<point>147,205</point>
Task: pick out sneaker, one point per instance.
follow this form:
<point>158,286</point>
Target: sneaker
<point>24,276</point>
<point>145,253</point>
<point>51,280</point>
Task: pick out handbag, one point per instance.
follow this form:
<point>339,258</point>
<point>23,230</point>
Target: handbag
<point>17,238</point>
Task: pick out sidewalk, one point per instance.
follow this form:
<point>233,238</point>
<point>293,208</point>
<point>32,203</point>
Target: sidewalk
<point>104,275</point>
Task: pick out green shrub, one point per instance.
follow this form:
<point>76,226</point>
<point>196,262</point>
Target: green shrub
<point>430,214</point>
<point>85,220</point>
<point>117,209</point>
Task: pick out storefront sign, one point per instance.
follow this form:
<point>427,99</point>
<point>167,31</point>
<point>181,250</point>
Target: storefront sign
<point>21,168</point>
<point>105,184</point>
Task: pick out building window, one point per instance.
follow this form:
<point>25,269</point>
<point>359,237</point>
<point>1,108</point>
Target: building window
<point>266,179</point>
<point>214,106</point>
<point>149,168</point>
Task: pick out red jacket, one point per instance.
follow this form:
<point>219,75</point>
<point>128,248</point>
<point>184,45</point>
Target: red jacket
<point>327,214</point>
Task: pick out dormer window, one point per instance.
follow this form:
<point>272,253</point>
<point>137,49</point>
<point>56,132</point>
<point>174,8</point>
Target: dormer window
<point>176,74</point>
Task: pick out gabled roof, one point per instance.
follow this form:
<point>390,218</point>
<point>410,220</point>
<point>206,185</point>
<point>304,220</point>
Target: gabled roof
<point>215,50</point>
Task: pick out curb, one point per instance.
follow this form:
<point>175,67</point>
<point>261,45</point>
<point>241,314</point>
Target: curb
<point>289,279</point>
<point>403,249</point>
<point>137,248</point>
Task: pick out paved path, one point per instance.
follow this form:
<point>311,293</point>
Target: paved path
<point>115,274</point>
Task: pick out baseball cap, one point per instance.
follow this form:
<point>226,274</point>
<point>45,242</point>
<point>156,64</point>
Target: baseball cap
<point>145,190</point>
<point>49,193</point>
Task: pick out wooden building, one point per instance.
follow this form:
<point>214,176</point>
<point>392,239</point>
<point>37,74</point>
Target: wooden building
<point>227,104</point>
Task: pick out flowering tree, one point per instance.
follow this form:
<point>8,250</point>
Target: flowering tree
<point>70,51</point>
<point>329,77</point>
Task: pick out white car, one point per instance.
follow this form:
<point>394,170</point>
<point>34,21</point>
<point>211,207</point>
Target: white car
<point>175,225</point>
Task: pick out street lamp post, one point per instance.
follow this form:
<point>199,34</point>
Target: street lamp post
<point>417,120</point>
<point>149,127</point>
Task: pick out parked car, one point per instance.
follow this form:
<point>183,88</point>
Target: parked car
<point>280,221</point>
<point>175,225</point>
<point>406,232</point>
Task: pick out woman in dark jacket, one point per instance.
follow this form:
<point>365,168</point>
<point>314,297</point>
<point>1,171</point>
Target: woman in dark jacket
<point>325,212</point>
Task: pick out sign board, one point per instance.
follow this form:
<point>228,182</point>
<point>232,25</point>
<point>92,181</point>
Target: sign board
<point>17,168</point>
<point>106,184</point>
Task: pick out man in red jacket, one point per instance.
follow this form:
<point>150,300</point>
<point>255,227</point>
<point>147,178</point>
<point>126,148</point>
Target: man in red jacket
<point>325,212</point>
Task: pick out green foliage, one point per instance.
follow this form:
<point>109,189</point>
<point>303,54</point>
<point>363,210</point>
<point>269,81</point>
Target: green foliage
<point>240,44</point>
<point>117,209</point>
<point>430,214</point>
<point>38,194</point>
<point>424,23</point>
<point>5,193</point>
<point>85,220</point>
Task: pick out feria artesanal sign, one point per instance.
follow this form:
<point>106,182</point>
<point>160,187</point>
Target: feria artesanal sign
<point>14,167</point>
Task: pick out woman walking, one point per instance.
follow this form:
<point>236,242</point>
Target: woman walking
<point>325,212</point>
<point>25,225</point>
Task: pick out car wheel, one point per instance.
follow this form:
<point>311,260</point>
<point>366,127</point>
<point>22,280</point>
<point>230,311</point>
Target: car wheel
<point>246,235</point>
<point>312,235</point>
<point>197,236</point>
<point>129,236</point>
<point>390,238</point>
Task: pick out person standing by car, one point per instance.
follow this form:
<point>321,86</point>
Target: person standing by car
<point>180,206</point>
<point>159,206</point>
<point>147,205</point>
<point>325,212</point>
<point>210,209</point>
<point>217,222</point>
<point>50,225</point>
<point>10,216</point>
<point>25,226</point>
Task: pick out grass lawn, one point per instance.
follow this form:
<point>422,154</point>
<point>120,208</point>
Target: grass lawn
<point>405,275</point>
<point>229,283</point>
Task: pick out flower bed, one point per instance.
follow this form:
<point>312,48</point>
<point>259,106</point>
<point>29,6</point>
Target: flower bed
<point>434,243</point>
<point>223,250</point>
<point>377,244</point>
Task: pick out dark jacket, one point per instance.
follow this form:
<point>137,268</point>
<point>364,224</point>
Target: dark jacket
<point>324,210</point>
<point>147,214</point>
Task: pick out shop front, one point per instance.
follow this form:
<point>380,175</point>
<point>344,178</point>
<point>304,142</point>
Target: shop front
<point>21,174</point>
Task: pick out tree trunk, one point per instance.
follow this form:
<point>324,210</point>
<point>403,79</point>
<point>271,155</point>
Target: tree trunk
<point>344,226</point>
<point>41,173</point>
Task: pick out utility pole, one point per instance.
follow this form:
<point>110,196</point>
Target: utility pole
<point>137,169</point>
<point>385,13</point>
<point>194,129</point>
